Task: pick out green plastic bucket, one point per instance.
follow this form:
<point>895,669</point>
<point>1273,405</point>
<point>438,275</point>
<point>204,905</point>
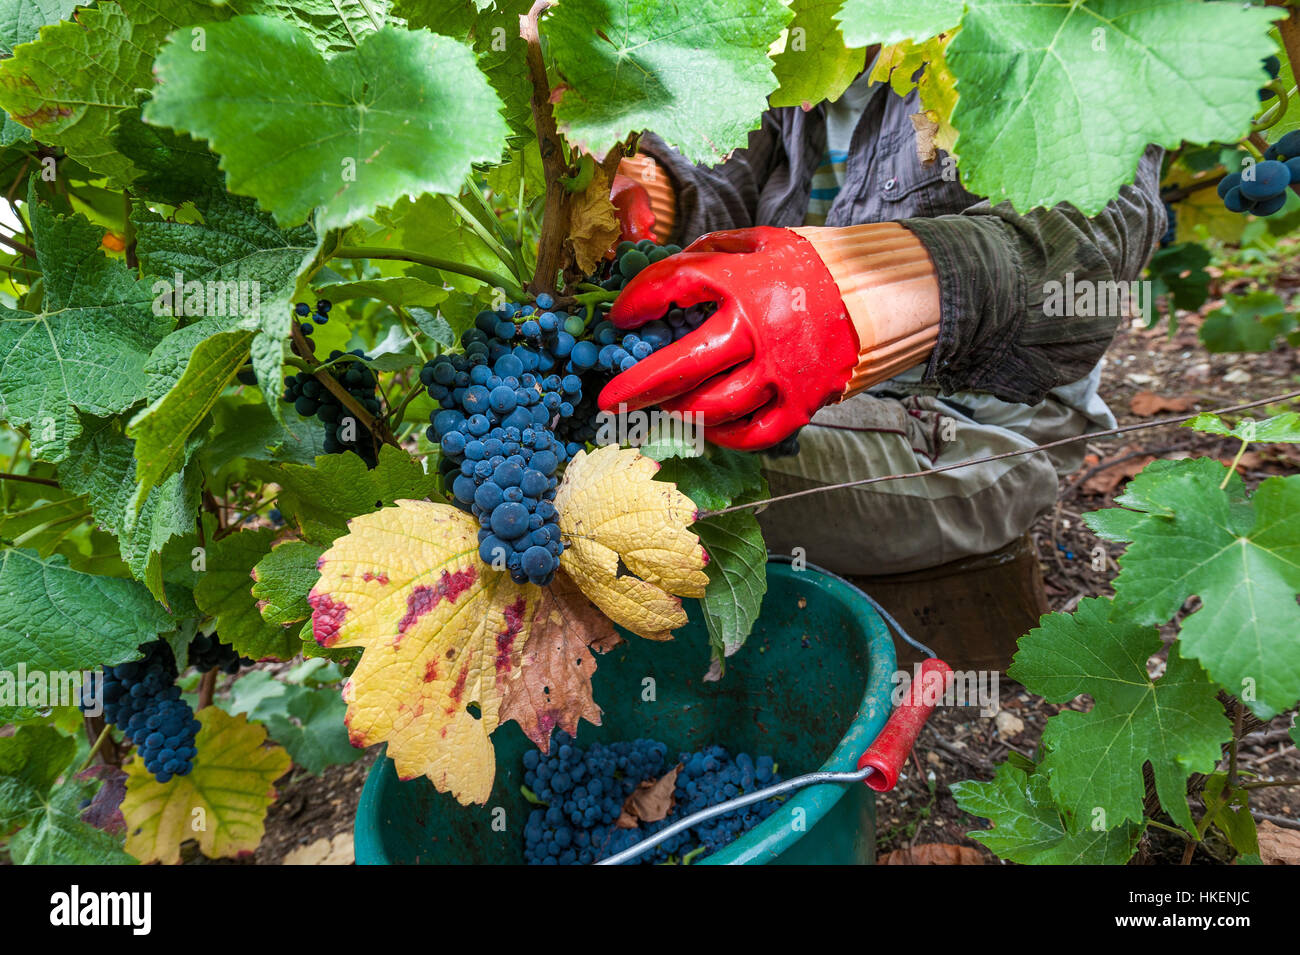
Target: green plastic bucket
<point>811,688</point>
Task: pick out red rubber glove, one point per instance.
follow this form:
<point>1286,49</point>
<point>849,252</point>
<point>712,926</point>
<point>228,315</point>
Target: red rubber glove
<point>779,347</point>
<point>636,219</point>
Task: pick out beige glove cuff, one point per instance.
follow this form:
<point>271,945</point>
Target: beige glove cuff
<point>891,292</point>
<point>658,186</point>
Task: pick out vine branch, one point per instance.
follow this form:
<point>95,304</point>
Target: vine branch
<point>17,246</point>
<point>1125,429</point>
<point>331,384</point>
<point>419,258</point>
<point>28,479</point>
<point>555,211</point>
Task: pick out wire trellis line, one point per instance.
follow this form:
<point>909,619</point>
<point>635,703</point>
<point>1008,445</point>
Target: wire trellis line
<point>1123,429</point>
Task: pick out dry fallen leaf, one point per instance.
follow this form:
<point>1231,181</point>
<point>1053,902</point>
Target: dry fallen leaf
<point>336,851</point>
<point>1108,479</point>
<point>553,685</point>
<point>612,513</point>
<point>1278,846</point>
<point>1008,724</point>
<point>651,801</point>
<point>1146,404</point>
<point>934,853</point>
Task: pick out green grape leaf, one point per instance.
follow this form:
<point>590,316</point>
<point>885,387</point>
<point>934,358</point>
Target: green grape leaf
<point>815,63</point>
<point>1279,429</point>
<point>1174,71</point>
<point>170,167</point>
<point>1095,759</point>
<point>430,223</point>
<point>313,728</point>
<point>400,290</point>
<point>1031,829</point>
<point>1230,810</point>
<point>493,30</point>
<point>101,465</point>
<point>342,136</point>
<point>333,25</point>
<point>737,572</point>
<point>864,22</point>
<point>162,430</point>
<point>524,164</point>
<point>698,75</point>
<point>236,247</point>
<point>234,243</point>
<point>715,479</point>
<point>1247,323</point>
<point>87,346</point>
<point>256,693</point>
<point>283,578</point>
<point>56,618</point>
<point>250,431</point>
<point>1239,553</point>
<point>339,486</point>
<point>73,84</point>
<point>1179,272</point>
<point>225,591</point>
<point>21,20</point>
<point>52,833</point>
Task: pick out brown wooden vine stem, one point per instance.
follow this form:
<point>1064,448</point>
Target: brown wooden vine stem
<point>377,428</point>
<point>551,252</point>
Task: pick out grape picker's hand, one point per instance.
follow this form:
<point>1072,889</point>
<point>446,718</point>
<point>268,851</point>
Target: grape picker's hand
<point>804,318</point>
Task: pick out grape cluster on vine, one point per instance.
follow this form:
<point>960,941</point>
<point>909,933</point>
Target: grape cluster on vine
<point>311,398</point>
<point>141,699</point>
<point>520,402</point>
<point>1261,187</point>
<point>585,789</point>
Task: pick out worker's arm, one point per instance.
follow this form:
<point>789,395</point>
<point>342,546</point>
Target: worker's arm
<point>805,317</point>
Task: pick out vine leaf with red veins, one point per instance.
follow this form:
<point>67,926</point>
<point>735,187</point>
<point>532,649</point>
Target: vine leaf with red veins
<point>440,632</point>
<point>553,686</point>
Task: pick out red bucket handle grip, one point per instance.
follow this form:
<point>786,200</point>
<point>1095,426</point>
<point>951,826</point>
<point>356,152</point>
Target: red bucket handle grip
<point>889,751</point>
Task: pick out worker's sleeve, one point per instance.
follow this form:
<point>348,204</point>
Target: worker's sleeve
<point>1029,302</point>
<point>709,198</point>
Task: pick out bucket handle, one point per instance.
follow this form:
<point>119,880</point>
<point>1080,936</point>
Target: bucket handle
<point>890,749</point>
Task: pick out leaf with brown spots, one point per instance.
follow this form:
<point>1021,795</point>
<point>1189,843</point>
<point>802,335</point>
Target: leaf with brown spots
<point>553,685</point>
<point>651,801</point>
<point>440,632</point>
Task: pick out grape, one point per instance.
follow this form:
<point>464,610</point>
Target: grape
<point>140,698</point>
<point>1266,207</point>
<point>207,652</point>
<point>585,791</point>
<point>510,520</point>
<point>1270,178</point>
<point>1236,202</point>
<point>1227,183</point>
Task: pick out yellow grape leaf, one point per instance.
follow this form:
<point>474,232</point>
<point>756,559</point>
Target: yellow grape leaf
<point>593,226</point>
<point>897,64</point>
<point>439,630</point>
<point>612,512</point>
<point>553,685</point>
<point>222,802</point>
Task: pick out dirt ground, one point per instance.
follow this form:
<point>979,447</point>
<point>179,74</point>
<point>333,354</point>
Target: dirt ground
<point>311,822</point>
